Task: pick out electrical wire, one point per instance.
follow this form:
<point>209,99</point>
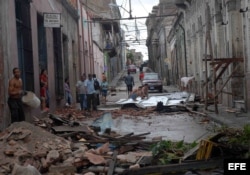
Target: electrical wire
<point>143,6</point>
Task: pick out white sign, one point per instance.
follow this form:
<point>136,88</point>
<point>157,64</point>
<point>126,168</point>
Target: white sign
<point>52,19</point>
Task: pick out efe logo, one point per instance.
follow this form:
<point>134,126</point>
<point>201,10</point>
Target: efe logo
<point>236,166</point>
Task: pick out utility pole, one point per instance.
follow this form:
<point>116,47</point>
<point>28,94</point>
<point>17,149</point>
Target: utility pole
<point>209,44</point>
<point>130,11</point>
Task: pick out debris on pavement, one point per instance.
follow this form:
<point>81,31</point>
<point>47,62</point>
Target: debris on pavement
<point>71,141</point>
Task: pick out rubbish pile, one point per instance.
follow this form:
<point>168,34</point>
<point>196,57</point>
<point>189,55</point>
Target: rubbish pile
<point>63,144</point>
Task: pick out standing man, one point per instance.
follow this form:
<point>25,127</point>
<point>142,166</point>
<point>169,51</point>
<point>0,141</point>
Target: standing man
<point>15,93</point>
<point>67,92</point>
<point>81,90</point>
<point>89,84</point>
<point>129,81</point>
<point>97,86</point>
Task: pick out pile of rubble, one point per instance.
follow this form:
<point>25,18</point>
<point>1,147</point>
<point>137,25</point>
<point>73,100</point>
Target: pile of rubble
<point>65,149</point>
<point>62,144</point>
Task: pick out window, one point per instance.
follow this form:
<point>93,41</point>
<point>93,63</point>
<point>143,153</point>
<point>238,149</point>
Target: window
<point>24,43</point>
<point>58,62</point>
<point>42,47</point>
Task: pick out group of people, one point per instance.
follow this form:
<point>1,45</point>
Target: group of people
<point>88,90</point>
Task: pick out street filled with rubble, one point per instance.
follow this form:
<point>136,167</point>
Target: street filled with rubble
<point>123,137</point>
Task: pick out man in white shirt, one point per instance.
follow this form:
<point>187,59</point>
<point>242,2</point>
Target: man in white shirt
<point>81,90</point>
<point>91,100</point>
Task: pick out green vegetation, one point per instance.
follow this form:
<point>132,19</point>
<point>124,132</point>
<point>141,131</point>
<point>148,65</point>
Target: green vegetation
<point>237,140</point>
<point>165,152</point>
<point>130,57</point>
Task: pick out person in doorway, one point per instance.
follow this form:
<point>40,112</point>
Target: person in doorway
<point>68,95</point>
<point>104,89</point>
<point>89,84</point>
<point>15,94</point>
<point>129,81</point>
<point>43,97</point>
<point>81,90</point>
<point>44,80</point>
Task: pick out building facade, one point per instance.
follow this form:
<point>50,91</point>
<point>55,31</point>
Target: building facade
<point>27,44</point>
<point>158,29</point>
<point>74,47</point>
<point>207,39</point>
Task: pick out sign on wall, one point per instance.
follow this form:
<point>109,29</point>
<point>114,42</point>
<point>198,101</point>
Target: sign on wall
<point>52,20</point>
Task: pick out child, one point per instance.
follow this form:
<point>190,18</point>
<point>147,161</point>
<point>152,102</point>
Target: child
<point>141,76</point>
<point>104,88</point>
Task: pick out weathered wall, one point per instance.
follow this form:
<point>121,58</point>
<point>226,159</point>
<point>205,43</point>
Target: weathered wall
<point>9,52</point>
<point>227,42</point>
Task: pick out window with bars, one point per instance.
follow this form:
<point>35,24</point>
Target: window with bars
<point>42,46</point>
<point>58,62</point>
<point>24,43</point>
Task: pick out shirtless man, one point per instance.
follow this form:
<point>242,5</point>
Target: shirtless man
<point>145,91</point>
<point>136,93</point>
<point>15,93</point>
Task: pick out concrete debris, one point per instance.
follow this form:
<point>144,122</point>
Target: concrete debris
<point>67,143</point>
<point>25,170</point>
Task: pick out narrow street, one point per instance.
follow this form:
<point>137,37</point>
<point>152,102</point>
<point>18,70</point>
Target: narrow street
<point>118,138</point>
<point>57,55</point>
<point>174,126</point>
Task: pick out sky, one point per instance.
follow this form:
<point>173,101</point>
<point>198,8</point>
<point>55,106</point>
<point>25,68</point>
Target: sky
<point>139,8</point>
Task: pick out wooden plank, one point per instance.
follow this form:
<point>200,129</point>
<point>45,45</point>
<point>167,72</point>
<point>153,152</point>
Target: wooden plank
<point>216,95</point>
<point>71,129</point>
<point>182,167</point>
<point>113,162</point>
<point>218,66</point>
<point>225,59</point>
<point>221,72</point>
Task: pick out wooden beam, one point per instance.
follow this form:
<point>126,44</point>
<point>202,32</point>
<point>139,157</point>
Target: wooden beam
<point>218,66</point>
<point>226,81</point>
<point>169,169</point>
<point>221,72</point>
<point>112,164</point>
<point>225,59</point>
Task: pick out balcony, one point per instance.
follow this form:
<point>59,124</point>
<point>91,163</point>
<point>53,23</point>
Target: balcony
<point>183,4</point>
<point>71,7</point>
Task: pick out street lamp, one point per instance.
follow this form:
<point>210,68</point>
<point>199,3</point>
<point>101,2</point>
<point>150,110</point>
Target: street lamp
<point>130,12</point>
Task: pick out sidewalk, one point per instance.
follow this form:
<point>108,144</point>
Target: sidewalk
<point>229,119</point>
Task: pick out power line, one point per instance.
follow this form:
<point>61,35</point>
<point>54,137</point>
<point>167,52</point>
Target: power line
<point>143,6</point>
<point>118,19</point>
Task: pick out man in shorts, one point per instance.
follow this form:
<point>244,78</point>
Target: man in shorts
<point>129,81</point>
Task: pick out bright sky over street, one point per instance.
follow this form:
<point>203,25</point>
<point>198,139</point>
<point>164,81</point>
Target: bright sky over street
<point>139,8</point>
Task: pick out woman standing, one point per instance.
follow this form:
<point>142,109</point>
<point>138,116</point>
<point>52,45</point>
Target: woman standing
<point>44,82</point>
